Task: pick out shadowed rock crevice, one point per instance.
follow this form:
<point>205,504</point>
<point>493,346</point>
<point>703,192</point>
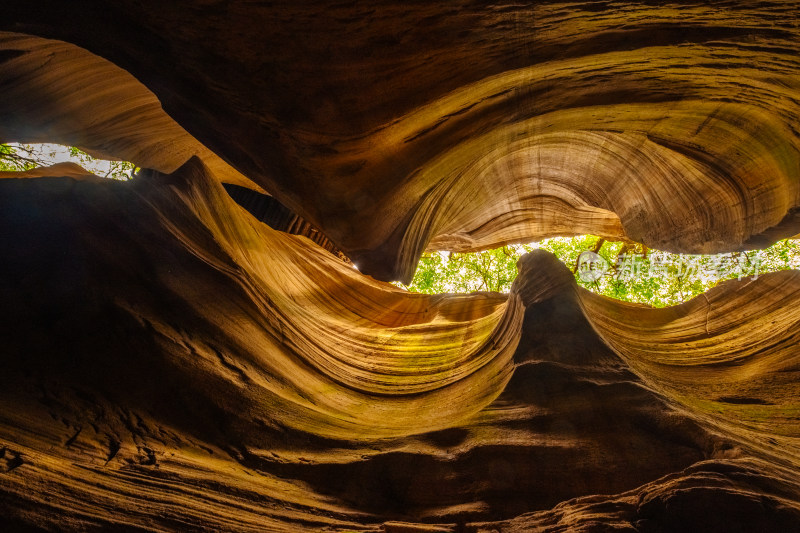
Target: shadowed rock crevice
<point>171,363</point>
<point>562,415</point>
<point>277,216</point>
<point>468,127</point>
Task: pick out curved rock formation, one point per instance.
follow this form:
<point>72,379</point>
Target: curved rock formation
<point>358,404</point>
<point>386,125</point>
<point>170,363</point>
<point>57,92</point>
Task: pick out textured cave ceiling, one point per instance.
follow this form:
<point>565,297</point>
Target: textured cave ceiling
<point>171,363</point>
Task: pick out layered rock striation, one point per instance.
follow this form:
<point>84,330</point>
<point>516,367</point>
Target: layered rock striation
<point>172,363</point>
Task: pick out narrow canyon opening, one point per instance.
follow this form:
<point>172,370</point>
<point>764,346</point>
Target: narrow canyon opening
<point>210,340</point>
<point>624,271</point>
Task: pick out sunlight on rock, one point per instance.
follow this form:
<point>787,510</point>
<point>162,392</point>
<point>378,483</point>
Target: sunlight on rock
<point>214,345</point>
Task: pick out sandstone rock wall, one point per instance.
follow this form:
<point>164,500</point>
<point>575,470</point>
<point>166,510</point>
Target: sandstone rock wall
<point>170,363</point>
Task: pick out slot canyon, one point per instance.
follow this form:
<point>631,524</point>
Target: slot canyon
<point>215,344</point>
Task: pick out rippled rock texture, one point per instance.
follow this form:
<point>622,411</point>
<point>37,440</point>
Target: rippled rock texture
<point>170,362</point>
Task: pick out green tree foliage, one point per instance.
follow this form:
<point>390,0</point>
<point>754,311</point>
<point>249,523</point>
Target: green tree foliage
<point>629,271</point>
<point>21,157</point>
<point>492,270</point>
<point>14,159</point>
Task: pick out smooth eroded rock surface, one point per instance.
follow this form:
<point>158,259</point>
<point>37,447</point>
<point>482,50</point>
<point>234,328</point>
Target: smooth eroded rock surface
<point>169,362</point>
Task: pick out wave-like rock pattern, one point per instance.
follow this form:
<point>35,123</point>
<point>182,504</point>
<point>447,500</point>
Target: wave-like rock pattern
<point>393,127</point>
<point>56,92</point>
<point>172,363</point>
